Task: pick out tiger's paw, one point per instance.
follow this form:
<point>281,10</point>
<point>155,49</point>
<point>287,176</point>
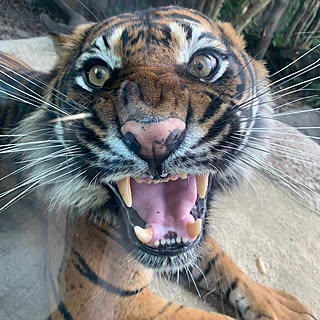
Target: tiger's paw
<point>255,301</point>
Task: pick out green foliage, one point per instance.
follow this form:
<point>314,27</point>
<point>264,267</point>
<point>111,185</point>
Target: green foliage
<point>230,10</point>
<point>114,10</point>
<point>315,101</point>
<point>277,40</point>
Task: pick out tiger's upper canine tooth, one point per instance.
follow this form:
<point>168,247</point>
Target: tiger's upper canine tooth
<point>202,184</point>
<point>125,190</point>
<point>194,228</point>
<point>144,235</point>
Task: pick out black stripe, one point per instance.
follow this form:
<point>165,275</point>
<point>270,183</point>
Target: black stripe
<point>181,17</point>
<point>214,105</point>
<point>188,30</point>
<point>64,312</point>
<point>92,47</point>
<point>163,310</point>
<point>105,41</point>
<point>86,36</point>
<point>95,118</point>
<point>233,286</point>
<point>217,127</point>
<point>87,272</point>
<point>77,87</point>
<point>89,136</point>
<point>136,39</point>
<point>263,316</point>
<point>248,67</point>
<point>61,307</point>
<point>126,17</point>
<point>125,96</point>
<point>107,233</point>
<point>191,11</point>
<point>207,35</point>
<point>208,268</point>
<point>125,38</point>
<point>166,31</point>
<point>179,309</point>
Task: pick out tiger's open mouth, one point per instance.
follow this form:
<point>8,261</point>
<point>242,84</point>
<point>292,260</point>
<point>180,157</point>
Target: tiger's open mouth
<point>165,216</point>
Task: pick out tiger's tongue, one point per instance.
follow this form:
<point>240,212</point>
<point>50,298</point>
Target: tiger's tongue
<point>165,206</point>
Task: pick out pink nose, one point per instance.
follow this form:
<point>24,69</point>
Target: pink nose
<point>153,140</point>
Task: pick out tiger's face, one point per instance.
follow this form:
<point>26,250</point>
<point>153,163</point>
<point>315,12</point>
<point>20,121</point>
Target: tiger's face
<point>169,99</point>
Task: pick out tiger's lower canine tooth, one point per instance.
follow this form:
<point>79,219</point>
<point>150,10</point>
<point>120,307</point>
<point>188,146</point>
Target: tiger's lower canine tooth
<point>194,228</point>
<point>202,184</point>
<point>125,190</point>
<point>144,235</point>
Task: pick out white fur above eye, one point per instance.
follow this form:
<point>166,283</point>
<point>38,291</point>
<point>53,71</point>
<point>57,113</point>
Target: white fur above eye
<point>80,81</point>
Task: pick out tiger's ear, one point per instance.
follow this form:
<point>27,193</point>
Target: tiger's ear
<point>59,32</point>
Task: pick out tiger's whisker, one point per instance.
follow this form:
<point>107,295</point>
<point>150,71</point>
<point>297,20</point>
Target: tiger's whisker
<point>277,139</point>
<point>282,176</point>
<point>35,178</point>
<point>283,153</point>
<point>42,83</point>
<point>295,112</point>
<point>89,11</point>
<point>34,186</point>
<point>53,201</point>
<point>31,142</point>
<point>256,97</point>
<point>263,90</point>
<point>276,83</point>
<point>29,103</point>
<point>295,100</point>
<point>41,99</point>
<point>28,149</point>
<point>78,116</point>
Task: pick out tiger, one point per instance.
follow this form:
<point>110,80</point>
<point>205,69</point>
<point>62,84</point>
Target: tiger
<point>144,119</point>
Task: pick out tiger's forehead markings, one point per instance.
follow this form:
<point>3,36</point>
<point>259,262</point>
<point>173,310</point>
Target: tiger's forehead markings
<point>194,37</point>
<point>190,35</point>
<point>105,47</point>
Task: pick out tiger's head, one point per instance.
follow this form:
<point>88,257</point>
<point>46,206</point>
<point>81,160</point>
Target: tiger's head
<point>167,100</point>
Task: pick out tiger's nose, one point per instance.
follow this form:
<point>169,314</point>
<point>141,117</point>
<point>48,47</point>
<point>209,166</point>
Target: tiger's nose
<point>153,140</point>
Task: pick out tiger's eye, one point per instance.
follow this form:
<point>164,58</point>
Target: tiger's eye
<point>202,66</point>
<point>98,75</point>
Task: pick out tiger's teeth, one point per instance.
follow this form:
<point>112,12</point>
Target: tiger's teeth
<point>183,176</point>
<point>125,191</point>
<point>202,185</point>
<point>138,180</point>
<point>144,235</point>
<point>194,228</point>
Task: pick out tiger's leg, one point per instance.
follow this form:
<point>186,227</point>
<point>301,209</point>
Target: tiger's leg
<point>251,299</point>
<point>99,279</point>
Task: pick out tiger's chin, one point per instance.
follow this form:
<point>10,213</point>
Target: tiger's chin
<point>164,218</point>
